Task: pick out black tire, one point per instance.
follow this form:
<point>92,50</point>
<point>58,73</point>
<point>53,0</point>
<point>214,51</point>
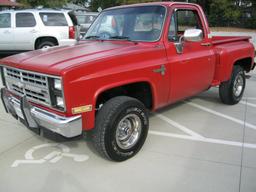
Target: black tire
<point>45,43</point>
<point>226,90</point>
<point>107,127</point>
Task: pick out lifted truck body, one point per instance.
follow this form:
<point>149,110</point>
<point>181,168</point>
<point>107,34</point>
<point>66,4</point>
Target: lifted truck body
<point>94,71</point>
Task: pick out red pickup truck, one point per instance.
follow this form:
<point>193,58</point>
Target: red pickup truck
<point>133,59</point>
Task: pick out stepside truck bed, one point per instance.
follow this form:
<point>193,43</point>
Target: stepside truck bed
<point>216,40</point>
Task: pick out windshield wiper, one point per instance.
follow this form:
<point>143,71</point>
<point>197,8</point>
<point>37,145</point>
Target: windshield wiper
<point>92,37</point>
<point>120,37</point>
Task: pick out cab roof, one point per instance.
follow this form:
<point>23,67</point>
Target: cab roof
<point>162,3</point>
<point>35,10</point>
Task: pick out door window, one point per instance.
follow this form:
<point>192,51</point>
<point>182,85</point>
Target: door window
<point>182,20</point>
<point>25,20</point>
<point>5,20</point>
<point>90,18</point>
<point>53,19</point>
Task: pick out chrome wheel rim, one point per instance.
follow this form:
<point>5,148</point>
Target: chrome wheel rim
<point>46,47</point>
<point>128,131</point>
<point>238,85</point>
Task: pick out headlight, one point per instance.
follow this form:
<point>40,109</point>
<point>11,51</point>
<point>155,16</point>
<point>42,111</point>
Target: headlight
<point>60,102</point>
<point>56,91</point>
<point>57,84</point>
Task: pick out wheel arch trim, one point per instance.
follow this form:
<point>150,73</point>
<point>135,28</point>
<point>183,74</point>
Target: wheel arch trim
<point>123,83</point>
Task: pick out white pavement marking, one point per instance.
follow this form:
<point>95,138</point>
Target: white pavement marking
<point>248,104</point>
<point>195,136</point>
<point>179,126</point>
<point>250,98</point>
<point>221,115</point>
<point>29,153</point>
<point>205,139</point>
<point>52,157</point>
<point>18,162</point>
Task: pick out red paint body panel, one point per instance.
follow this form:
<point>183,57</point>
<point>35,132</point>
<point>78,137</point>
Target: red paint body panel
<point>93,66</point>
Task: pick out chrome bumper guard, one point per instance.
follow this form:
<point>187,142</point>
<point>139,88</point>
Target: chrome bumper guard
<point>35,118</point>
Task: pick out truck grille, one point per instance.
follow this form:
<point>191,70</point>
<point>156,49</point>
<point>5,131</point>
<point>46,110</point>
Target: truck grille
<point>33,85</point>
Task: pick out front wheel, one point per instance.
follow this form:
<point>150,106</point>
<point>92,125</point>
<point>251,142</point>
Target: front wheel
<point>231,92</point>
<point>121,128</point>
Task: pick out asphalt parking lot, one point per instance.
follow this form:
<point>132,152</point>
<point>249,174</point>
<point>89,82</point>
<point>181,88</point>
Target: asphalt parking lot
<point>196,145</point>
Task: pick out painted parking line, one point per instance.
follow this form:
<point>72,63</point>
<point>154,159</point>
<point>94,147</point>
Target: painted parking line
<point>179,126</point>
<point>193,136</point>
<point>249,125</point>
<point>204,139</point>
<point>250,98</point>
<point>247,103</point>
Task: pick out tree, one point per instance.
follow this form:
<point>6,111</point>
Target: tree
<point>224,13</point>
<point>232,13</point>
<point>248,16</point>
<point>104,4</point>
<point>110,3</point>
<point>45,3</point>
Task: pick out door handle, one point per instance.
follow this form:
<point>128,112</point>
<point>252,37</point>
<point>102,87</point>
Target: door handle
<point>161,70</point>
<point>33,31</point>
<point>185,61</point>
<point>206,44</point>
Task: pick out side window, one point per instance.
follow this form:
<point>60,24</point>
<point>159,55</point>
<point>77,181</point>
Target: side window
<point>81,19</point>
<point>89,19</point>
<point>182,20</point>
<point>188,19</point>
<point>72,17</point>
<point>5,20</point>
<point>172,35</point>
<point>25,20</point>
<point>53,19</point>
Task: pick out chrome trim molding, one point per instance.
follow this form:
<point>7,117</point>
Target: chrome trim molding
<point>37,117</point>
<point>35,86</point>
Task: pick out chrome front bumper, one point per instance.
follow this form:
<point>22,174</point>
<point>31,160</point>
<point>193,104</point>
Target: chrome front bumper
<point>35,118</point>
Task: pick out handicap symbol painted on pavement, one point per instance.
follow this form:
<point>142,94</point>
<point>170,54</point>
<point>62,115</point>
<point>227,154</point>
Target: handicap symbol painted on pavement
<point>53,157</point>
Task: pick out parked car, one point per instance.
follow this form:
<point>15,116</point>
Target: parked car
<point>164,52</point>
<point>85,19</point>
<point>23,30</point>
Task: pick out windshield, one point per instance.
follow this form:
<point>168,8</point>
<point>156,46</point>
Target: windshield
<point>133,23</point>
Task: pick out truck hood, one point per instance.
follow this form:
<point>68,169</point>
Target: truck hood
<point>54,60</point>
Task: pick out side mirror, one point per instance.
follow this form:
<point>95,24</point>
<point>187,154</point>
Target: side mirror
<point>192,35</point>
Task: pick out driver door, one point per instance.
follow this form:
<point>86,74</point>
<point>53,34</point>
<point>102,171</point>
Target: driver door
<point>192,70</point>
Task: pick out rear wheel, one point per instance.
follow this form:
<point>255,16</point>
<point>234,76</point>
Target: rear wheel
<point>231,92</point>
<point>45,44</point>
<point>121,128</point>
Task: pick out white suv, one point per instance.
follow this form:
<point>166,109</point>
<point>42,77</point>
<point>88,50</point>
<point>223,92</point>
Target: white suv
<point>22,30</point>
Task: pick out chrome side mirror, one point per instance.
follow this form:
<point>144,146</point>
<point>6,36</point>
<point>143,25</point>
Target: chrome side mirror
<point>192,35</point>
